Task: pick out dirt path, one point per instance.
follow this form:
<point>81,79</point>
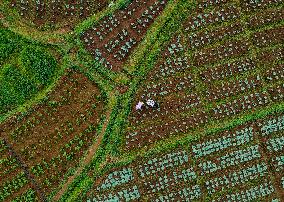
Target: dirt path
<point>88,158</point>
<point>24,167</point>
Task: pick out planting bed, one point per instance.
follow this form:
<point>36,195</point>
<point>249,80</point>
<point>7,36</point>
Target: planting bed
<point>201,4</point>
<point>229,49</point>
<point>112,39</point>
<point>277,93</point>
<point>266,17</point>
<point>224,71</point>
<point>276,73</point>
<point>57,11</point>
<point>268,37</point>
<point>203,38</point>
<point>53,137</point>
<point>272,55</point>
<point>13,182</point>
<point>256,5</point>
<point>215,16</point>
<point>233,88</point>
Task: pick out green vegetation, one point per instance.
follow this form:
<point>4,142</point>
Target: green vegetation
<point>26,68</point>
<point>30,196</point>
<point>38,63</point>
<point>9,43</point>
<point>15,88</point>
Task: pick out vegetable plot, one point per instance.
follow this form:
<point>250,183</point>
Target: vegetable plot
<point>57,11</point>
<point>53,137</point>
<point>13,179</point>
<point>112,39</point>
<point>231,165</point>
<point>215,68</point>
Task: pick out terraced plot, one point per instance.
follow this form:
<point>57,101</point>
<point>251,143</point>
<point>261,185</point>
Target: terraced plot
<point>215,70</point>
<point>224,65</point>
<point>112,39</point>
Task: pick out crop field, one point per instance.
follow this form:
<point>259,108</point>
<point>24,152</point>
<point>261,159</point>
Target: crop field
<point>240,164</point>
<point>112,39</point>
<point>142,100</point>
<point>15,178</point>
<point>53,137</point>
<point>55,12</point>
<point>203,78</point>
<point>224,62</point>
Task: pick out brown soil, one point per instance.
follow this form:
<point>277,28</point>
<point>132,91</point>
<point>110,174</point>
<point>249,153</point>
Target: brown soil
<point>125,20</point>
<point>13,172</point>
<point>50,135</point>
<point>57,13</point>
<point>1,16</point>
<point>25,169</point>
<point>122,89</point>
<point>87,160</point>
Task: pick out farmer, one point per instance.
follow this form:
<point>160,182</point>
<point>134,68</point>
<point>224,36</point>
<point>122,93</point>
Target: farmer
<point>152,103</point>
<point>139,105</point>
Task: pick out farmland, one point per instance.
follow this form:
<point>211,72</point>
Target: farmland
<point>223,63</point>
<point>113,38</point>
<point>55,13</point>
<point>233,162</point>
<point>52,138</point>
<point>205,78</point>
<point>142,100</point>
<point>31,70</point>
